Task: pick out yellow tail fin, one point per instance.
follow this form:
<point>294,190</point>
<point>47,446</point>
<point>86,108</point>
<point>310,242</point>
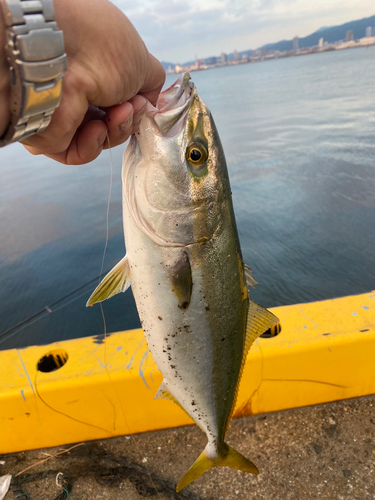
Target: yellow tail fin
<point>227,457</point>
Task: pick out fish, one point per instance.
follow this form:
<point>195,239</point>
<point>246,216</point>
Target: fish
<point>185,267</point>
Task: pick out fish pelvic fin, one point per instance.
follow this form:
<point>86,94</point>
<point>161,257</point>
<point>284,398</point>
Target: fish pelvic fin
<point>116,281</point>
<point>226,457</point>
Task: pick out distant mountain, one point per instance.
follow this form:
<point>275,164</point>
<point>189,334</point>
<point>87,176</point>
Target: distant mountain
<point>324,28</point>
<point>330,35</point>
<point>167,65</point>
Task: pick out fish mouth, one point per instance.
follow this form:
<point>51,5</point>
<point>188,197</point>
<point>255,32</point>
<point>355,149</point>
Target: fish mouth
<point>173,106</point>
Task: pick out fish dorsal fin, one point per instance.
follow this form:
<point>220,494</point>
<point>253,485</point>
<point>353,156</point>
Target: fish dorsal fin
<point>116,281</point>
<point>259,319</point>
<point>250,280</point>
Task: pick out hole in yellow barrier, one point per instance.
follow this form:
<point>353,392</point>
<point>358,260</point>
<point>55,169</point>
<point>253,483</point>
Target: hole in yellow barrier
<point>52,361</point>
<point>272,332</point>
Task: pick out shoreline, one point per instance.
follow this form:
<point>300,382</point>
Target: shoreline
<point>353,44</point>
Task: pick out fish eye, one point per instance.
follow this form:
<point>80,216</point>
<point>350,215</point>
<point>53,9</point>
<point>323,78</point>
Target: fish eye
<point>196,154</point>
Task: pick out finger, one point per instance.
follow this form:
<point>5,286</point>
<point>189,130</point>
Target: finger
<point>139,105</point>
<point>119,120</point>
<point>124,119</point>
<point>32,150</point>
<point>154,80</point>
<point>89,143</point>
<point>85,146</point>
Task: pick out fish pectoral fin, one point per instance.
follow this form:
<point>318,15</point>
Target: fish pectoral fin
<point>180,279</point>
<point>227,457</point>
<point>250,280</point>
<point>259,319</point>
<point>116,281</point>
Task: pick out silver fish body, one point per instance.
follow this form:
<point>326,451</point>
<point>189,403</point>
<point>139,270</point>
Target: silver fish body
<point>185,266</point>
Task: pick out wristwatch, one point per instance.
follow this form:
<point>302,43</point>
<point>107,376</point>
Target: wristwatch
<point>35,53</point>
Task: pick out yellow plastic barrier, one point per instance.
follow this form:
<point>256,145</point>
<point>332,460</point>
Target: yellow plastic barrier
<point>325,352</point>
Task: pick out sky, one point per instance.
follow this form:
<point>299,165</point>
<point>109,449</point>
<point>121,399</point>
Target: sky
<point>178,30</point>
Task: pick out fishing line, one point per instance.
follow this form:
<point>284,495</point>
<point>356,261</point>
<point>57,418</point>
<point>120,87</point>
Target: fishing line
<point>108,206</point>
<point>39,315</point>
<point>105,327</point>
<point>46,310</point>
<point>76,298</point>
<point>49,309</point>
<point>104,321</point>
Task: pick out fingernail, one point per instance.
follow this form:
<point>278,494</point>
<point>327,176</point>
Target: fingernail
<point>102,139</point>
<point>139,104</point>
<point>126,124</point>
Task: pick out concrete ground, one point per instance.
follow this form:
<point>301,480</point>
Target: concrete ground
<point>321,452</point>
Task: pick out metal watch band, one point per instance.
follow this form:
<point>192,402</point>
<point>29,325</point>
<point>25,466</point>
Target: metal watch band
<point>35,53</point>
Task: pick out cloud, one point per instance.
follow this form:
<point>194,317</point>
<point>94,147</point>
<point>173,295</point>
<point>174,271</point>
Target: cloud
<point>178,30</point>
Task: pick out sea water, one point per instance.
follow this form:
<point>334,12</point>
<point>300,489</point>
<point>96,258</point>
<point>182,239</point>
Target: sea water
<point>299,138</point>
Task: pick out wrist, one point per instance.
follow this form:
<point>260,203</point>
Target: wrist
<point>5,114</point>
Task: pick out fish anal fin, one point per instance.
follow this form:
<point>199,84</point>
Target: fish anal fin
<point>116,281</point>
<point>226,457</point>
<point>163,393</point>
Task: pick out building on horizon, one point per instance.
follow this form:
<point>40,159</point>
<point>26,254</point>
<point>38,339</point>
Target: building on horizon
<point>211,61</point>
<point>223,58</point>
<point>370,32</point>
<point>178,68</point>
<point>321,43</point>
<point>349,36</point>
<point>235,54</point>
<point>295,43</point>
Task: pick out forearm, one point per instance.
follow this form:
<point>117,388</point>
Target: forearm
<point>4,81</point>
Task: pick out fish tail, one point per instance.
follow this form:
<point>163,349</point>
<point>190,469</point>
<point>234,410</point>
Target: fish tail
<point>225,457</point>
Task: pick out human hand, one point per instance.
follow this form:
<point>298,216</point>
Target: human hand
<point>109,77</point>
